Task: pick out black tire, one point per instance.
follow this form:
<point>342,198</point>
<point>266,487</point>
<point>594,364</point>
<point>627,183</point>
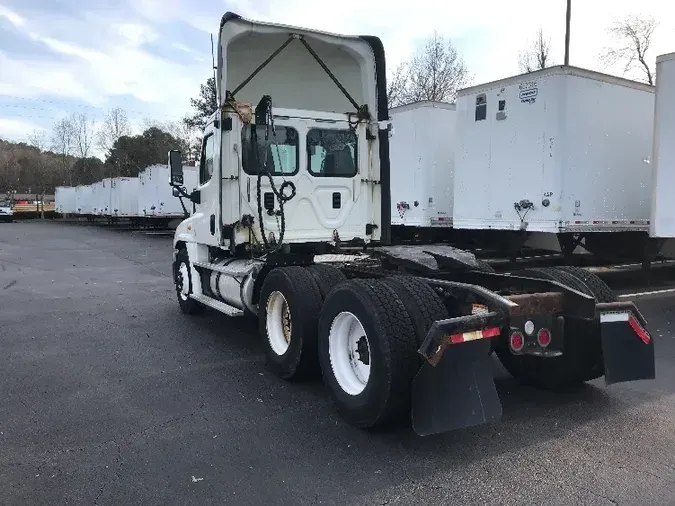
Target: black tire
<point>422,304</point>
<point>596,286</point>
<point>187,305</point>
<point>303,299</point>
<point>393,359</point>
<point>581,360</point>
<point>484,266</point>
<point>326,277</point>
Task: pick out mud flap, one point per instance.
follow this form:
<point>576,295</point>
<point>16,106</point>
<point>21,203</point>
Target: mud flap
<point>627,348</point>
<point>459,392</point>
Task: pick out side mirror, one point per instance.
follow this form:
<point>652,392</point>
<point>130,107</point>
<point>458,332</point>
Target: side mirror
<point>176,166</point>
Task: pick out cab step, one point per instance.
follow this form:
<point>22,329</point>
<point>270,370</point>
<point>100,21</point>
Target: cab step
<point>217,305</point>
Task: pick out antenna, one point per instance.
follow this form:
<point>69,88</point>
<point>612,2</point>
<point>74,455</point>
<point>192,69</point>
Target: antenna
<point>213,64</point>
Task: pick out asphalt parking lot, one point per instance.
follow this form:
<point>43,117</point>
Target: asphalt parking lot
<point>111,396</point>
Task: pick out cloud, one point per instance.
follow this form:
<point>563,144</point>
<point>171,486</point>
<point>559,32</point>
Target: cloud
<point>152,55</point>
<point>16,129</point>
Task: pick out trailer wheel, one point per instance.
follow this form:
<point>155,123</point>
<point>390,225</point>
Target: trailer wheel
<point>326,277</point>
<point>581,360</point>
<point>423,305</point>
<point>289,306</point>
<point>183,282</point>
<point>367,352</point>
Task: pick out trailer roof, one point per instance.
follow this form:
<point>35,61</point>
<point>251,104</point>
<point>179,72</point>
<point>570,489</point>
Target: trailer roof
<point>423,103</point>
<point>559,69</point>
<point>665,57</point>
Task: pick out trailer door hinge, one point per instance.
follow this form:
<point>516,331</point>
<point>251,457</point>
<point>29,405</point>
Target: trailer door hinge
<point>231,178</point>
<point>374,181</point>
<point>370,228</point>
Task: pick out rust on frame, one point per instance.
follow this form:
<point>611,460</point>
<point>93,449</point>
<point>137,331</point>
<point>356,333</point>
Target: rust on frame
<point>533,304</point>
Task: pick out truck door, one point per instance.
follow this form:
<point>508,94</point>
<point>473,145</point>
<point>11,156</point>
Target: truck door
<point>207,213</point>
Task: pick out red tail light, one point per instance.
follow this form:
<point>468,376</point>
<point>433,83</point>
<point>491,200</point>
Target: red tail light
<point>544,337</point>
<point>517,341</point>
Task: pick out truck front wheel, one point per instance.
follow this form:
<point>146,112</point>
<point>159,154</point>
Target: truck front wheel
<point>367,352</point>
<point>183,282</point>
<point>289,306</point>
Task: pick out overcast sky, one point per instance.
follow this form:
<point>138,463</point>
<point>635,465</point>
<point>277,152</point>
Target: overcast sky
<point>149,56</point>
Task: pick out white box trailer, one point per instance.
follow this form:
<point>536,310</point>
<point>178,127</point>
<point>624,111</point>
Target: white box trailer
<point>65,200</point>
<point>662,222</point>
<point>100,197</point>
<point>104,195</point>
<point>93,190</point>
<point>421,153</point>
<point>155,197</point>
<point>83,200</point>
<point>556,150</point>
<point>124,196</point>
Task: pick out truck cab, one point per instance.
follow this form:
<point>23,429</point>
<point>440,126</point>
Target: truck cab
<point>283,165</point>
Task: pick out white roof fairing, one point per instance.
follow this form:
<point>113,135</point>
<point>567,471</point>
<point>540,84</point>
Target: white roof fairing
<point>293,78</point>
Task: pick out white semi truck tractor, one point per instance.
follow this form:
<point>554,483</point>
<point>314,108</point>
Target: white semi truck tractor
<point>295,169</point>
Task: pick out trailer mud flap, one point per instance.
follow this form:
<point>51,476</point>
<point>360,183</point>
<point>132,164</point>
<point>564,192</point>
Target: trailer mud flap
<point>458,392</point>
<point>627,347</point>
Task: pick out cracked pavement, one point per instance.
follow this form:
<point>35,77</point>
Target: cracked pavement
<point>111,396</point>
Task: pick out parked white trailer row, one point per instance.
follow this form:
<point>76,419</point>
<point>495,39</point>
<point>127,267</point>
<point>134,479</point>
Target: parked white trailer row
<point>558,150</point>
<point>155,194</point>
<point>147,196</point>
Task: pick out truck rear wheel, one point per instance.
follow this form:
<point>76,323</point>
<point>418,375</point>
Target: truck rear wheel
<point>595,286</point>
<point>367,352</point>
<point>581,360</point>
<point>289,306</point>
<point>183,283</point>
<point>326,277</point>
<point>422,304</point>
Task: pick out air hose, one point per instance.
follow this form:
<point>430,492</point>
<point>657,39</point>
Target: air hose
<point>265,108</point>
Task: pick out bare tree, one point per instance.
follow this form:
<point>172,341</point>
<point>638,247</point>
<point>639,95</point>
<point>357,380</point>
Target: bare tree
<point>115,125</point>
<point>83,134</point>
<point>62,144</point>
<point>537,55</point>
<point>37,139</point>
<point>435,72</point>
<point>633,36</point>
<point>396,85</point>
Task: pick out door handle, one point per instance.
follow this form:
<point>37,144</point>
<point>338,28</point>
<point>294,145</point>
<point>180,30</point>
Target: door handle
<point>213,224</point>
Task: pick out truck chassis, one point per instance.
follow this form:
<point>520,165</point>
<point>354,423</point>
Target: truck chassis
<point>407,331</point>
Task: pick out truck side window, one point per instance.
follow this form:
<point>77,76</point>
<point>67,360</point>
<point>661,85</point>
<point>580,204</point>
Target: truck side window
<point>206,165</point>
<point>281,153</point>
<point>481,107</point>
<point>332,153</point>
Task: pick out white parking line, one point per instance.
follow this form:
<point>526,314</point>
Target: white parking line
<point>642,294</point>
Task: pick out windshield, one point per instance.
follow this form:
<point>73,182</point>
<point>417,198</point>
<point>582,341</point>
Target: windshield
<point>5,202</point>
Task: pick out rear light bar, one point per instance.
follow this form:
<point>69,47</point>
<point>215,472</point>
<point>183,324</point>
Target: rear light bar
<point>474,335</point>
